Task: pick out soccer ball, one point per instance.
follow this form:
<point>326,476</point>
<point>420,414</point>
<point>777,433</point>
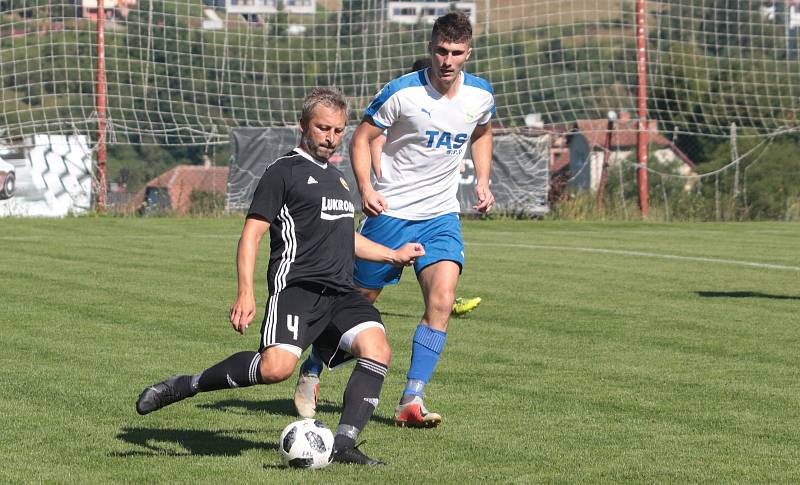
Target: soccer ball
<point>307,443</point>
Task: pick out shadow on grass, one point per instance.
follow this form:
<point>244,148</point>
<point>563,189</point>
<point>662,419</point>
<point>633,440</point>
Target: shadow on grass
<point>162,442</point>
<point>402,315</point>
<point>744,294</point>
<point>282,407</point>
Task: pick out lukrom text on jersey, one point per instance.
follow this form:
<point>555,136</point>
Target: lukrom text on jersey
<point>336,207</point>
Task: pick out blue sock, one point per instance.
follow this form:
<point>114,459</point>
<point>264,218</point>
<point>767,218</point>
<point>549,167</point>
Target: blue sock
<point>428,345</point>
<point>313,364</point>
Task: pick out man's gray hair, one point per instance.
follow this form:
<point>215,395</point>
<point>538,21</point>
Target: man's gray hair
<point>330,97</point>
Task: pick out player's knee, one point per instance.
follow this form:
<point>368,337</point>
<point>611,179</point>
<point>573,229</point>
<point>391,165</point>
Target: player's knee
<point>374,346</point>
<point>381,352</point>
<point>442,302</point>
<point>274,370</point>
<point>273,375</point>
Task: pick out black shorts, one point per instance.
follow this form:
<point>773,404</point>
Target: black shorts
<point>303,314</point>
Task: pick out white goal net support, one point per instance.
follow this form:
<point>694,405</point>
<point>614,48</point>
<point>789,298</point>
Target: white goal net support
<point>187,72</point>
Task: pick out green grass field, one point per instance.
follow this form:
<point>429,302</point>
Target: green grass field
<point>608,352</point>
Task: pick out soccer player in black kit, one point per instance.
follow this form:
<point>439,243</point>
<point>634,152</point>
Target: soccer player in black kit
<point>305,204</point>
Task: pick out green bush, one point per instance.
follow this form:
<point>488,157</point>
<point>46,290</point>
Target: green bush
<point>206,203</point>
<point>769,180</point>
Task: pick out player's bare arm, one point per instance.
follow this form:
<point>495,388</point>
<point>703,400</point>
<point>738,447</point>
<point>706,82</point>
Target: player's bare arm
<point>482,158</point>
<point>243,308</point>
<point>375,149</point>
<point>372,202</point>
<point>372,251</point>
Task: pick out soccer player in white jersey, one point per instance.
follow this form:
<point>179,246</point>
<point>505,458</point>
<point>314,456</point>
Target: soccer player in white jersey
<point>461,305</point>
<point>429,116</point>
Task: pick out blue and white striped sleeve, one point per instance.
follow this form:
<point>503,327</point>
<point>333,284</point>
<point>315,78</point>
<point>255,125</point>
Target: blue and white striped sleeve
<point>383,108</point>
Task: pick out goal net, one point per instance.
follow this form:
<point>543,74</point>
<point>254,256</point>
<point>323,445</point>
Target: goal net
<point>186,72</point>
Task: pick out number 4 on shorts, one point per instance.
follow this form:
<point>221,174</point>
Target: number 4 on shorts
<point>292,323</point>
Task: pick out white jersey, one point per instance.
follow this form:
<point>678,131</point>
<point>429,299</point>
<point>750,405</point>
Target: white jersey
<point>426,138</point>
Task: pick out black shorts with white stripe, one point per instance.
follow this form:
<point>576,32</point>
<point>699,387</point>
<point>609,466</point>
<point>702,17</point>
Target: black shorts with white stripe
<point>302,314</point>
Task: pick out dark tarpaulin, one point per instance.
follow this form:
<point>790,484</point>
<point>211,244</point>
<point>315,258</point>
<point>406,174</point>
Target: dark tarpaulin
<point>519,179</point>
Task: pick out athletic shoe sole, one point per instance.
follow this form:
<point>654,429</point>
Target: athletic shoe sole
<point>416,419</point>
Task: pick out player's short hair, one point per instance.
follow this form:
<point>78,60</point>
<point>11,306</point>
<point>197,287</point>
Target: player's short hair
<point>452,27</point>
<point>330,97</point>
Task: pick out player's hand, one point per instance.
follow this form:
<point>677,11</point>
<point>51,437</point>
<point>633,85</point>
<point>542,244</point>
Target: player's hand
<point>242,312</point>
<point>408,254</point>
<point>373,203</point>
<point>485,198</point>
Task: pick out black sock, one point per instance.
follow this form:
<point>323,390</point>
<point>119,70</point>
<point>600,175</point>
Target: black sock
<point>238,370</point>
<point>343,442</point>
<point>360,400</point>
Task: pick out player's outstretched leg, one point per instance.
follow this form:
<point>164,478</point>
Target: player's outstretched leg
<point>462,306</point>
<point>172,390</point>
<point>411,412</point>
<point>306,392</point>
<point>239,370</point>
<point>360,400</point>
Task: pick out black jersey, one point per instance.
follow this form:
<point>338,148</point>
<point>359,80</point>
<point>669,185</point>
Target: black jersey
<point>310,212</point>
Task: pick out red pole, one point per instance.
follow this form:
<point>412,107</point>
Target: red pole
<point>101,108</point>
<point>641,63</point>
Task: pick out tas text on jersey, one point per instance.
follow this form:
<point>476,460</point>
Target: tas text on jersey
<point>445,139</point>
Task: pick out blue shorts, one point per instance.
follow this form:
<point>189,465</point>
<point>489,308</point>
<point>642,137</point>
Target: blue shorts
<point>441,237</point>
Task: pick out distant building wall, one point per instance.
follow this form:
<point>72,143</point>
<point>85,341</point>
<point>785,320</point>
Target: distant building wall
<point>404,12</point>
<point>586,162</point>
<point>121,7</point>
<point>54,176</point>
<point>258,7</point>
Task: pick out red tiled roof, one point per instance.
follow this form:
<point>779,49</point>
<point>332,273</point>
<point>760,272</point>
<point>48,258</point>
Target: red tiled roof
<point>625,136</point>
<point>182,180</point>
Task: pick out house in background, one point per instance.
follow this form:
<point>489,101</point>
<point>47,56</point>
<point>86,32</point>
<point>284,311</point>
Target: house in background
<point>113,8</point>
<point>172,191</point>
<point>586,146</point>
<point>411,12</point>
<point>256,11</point>
<point>266,7</point>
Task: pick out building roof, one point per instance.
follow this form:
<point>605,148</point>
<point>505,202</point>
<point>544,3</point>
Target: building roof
<point>625,135</point>
<point>182,180</point>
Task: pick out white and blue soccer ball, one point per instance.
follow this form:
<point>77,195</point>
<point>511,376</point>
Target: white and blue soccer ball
<point>307,443</point>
